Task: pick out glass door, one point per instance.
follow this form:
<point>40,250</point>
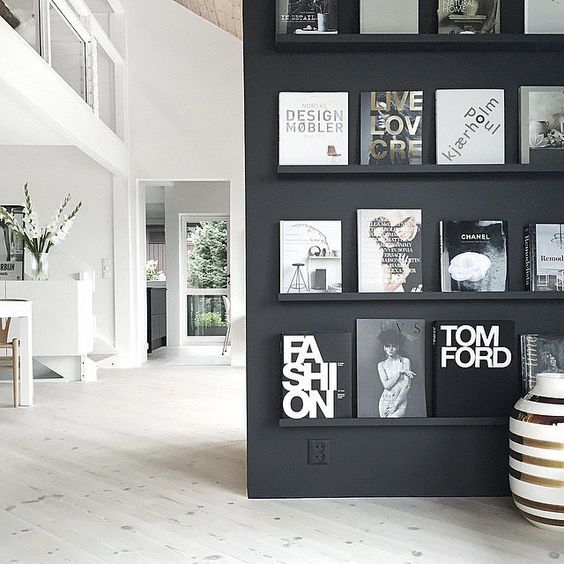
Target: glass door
<point>206,261</point>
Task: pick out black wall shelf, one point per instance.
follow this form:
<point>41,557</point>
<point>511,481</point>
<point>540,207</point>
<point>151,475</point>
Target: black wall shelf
<point>405,422</point>
<point>423,297</point>
<point>419,170</point>
<point>417,42</point>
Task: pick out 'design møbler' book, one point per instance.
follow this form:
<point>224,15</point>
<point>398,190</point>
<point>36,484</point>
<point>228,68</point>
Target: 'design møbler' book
<point>391,124</point>
<point>473,256</point>
<point>383,16</point>
<point>544,257</point>
<point>470,126</point>
<point>475,368</point>
<point>389,251</point>
<point>313,128</point>
<point>544,16</point>
<point>306,16</point>
<point>391,368</point>
<point>542,124</point>
<point>540,354</point>
<point>316,375</point>
<point>469,16</point>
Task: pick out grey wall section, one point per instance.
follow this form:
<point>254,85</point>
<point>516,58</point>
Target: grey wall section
<point>379,461</point>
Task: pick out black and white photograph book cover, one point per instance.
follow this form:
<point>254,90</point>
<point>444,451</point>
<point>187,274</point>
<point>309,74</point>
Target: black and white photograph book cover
<point>310,257</point>
<point>544,257</point>
<point>11,248</point>
<point>313,128</point>
<point>470,126</point>
<point>389,251</point>
<point>473,256</point>
<point>542,124</point>
<point>391,125</point>
<point>544,16</point>
<point>307,16</point>
<point>391,368</point>
<point>476,368</point>
<point>469,16</point>
<point>316,375</point>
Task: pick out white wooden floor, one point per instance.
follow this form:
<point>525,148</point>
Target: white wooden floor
<point>149,466</point>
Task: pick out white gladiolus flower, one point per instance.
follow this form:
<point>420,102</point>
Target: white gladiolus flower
<point>469,267</point>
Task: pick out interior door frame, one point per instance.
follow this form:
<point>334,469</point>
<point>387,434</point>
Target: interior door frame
<point>184,219</point>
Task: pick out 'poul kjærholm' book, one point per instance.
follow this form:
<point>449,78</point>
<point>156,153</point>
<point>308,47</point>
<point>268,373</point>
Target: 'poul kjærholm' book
<point>469,16</point>
<point>544,257</point>
<point>306,16</point>
<point>391,124</point>
<point>316,375</point>
<point>313,128</point>
<point>473,256</point>
<point>470,126</point>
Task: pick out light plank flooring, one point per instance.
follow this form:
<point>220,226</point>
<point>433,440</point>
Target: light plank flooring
<point>148,466</point>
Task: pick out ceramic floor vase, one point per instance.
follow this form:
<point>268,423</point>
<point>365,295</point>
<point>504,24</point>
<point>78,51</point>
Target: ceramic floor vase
<point>536,453</point>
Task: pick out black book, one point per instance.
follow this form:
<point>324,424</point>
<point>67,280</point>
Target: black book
<point>544,257</point>
<point>316,375</point>
<point>306,16</point>
<point>473,256</point>
<point>540,354</point>
<point>391,124</point>
<point>476,372</point>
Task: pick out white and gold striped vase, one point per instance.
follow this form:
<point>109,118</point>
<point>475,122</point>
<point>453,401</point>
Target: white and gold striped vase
<point>536,453</point>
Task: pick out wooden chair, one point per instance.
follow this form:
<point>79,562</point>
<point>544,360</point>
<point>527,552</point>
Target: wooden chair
<point>11,360</point>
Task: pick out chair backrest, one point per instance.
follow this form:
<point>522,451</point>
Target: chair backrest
<point>227,304</point>
<point>4,329</point>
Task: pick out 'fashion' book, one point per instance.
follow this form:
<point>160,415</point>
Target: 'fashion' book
<point>383,16</point>
<point>307,16</point>
<point>310,257</point>
<point>391,368</point>
<point>544,16</point>
<point>316,375</point>
<point>544,257</point>
<point>313,128</point>
<point>469,16</point>
<point>540,354</point>
<point>542,124</point>
<point>12,247</point>
<point>470,126</point>
<point>473,256</point>
<point>389,251</point>
<point>476,372</point>
<point>391,124</point>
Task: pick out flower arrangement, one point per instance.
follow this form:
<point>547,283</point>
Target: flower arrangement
<point>39,239</point>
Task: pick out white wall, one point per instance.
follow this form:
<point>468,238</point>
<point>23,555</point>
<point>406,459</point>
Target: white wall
<point>185,197</point>
<point>186,121</point>
<point>52,172</point>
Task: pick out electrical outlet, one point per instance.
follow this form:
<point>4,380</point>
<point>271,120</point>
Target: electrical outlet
<point>318,451</point>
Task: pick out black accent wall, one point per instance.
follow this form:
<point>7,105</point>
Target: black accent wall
<point>412,460</point>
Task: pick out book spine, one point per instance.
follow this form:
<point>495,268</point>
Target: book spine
<point>435,361</point>
<point>530,258</point>
<point>445,286</point>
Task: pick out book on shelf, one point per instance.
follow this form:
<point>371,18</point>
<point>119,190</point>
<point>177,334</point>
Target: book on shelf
<point>12,247</point>
<point>544,257</point>
<point>391,368</point>
<point>391,124</point>
<point>310,257</point>
<point>316,375</point>
<point>470,126</point>
<point>469,16</point>
<point>540,354</point>
<point>383,16</point>
<point>389,251</point>
<point>313,128</point>
<point>306,16</point>
<point>473,256</point>
<point>541,117</point>
<point>475,368</point>
<point>544,16</point>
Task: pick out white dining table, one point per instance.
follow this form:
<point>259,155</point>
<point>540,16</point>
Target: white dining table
<point>22,309</point>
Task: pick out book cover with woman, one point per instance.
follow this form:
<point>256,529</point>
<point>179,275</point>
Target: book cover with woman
<point>391,368</point>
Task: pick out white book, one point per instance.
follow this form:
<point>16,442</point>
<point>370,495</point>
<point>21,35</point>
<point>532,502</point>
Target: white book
<point>313,128</point>
<point>310,257</point>
<point>389,16</point>
<point>470,126</point>
<point>544,16</point>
